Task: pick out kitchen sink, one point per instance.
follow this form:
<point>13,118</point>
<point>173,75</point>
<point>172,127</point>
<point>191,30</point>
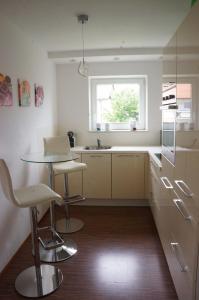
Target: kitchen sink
<point>104,147</point>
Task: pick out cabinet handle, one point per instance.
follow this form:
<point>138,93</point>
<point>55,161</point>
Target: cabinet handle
<point>181,209</point>
<point>184,188</point>
<point>97,156</point>
<point>175,248</point>
<point>166,182</point>
<point>126,155</point>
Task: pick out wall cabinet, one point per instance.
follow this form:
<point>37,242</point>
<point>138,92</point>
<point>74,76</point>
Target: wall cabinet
<point>128,176</point>
<point>97,176</point>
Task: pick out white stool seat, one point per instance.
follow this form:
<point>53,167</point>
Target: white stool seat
<point>68,167</point>
<point>36,194</point>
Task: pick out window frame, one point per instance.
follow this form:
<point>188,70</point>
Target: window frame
<point>95,80</point>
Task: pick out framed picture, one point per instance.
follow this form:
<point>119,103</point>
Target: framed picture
<point>24,93</point>
<point>6,98</point>
<point>39,95</point>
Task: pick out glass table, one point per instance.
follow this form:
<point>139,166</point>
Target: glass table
<point>69,247</point>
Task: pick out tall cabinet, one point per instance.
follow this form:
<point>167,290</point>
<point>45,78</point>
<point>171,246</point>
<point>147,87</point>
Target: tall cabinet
<point>176,187</point>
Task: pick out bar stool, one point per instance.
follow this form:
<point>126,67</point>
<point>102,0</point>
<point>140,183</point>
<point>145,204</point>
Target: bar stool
<point>40,279</point>
<point>60,145</point>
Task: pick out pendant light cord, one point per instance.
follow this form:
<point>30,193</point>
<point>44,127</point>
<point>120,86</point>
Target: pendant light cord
<point>83,42</point>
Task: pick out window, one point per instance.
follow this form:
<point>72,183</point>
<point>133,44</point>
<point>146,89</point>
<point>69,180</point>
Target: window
<point>117,103</point>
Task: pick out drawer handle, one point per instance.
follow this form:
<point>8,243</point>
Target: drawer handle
<point>97,156</point>
<point>126,155</point>
<point>184,188</point>
<point>166,182</point>
<point>175,248</point>
<point>181,209</point>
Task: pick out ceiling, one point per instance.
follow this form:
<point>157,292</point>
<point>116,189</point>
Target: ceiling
<point>114,29</point>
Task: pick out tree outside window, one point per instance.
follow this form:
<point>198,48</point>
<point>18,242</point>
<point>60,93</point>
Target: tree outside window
<point>117,101</point>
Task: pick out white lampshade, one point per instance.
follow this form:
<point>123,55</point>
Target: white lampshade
<point>83,69</point>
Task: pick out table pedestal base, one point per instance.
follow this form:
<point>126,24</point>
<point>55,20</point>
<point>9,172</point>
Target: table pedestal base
<point>69,225</point>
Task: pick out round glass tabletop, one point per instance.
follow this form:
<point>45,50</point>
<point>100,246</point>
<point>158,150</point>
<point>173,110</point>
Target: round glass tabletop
<point>47,158</point>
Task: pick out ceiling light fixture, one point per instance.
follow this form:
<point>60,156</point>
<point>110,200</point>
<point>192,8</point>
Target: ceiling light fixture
<point>83,66</point>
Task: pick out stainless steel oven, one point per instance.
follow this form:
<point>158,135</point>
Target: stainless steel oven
<point>168,131</point>
<point>169,109</point>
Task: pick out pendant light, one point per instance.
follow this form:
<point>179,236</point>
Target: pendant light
<point>83,66</point>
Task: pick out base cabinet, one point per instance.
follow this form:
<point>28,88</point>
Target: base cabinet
<point>97,176</point>
<point>177,223</point>
<point>128,176</point>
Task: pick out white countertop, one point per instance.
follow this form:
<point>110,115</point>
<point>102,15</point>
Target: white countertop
<point>125,149</point>
<point>119,149</point>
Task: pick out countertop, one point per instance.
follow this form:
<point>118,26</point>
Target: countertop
<point>120,149</point>
<point>151,150</point>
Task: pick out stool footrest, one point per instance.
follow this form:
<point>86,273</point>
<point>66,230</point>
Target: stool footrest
<point>73,199</point>
<point>53,243</point>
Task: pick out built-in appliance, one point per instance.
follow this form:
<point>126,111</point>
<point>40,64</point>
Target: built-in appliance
<point>168,93</point>
<point>169,109</point>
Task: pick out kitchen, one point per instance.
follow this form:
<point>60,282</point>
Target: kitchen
<point>52,119</point>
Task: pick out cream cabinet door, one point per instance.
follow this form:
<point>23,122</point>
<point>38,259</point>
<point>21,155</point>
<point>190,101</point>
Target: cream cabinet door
<point>97,176</point>
<point>128,176</point>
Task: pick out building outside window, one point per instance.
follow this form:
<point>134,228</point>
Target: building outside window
<point>118,103</point>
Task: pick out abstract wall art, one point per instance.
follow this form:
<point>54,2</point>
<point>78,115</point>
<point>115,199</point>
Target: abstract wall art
<point>39,95</point>
<point>6,98</point>
<point>24,93</point>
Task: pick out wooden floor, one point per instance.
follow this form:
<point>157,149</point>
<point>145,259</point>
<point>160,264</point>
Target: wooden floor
<point>119,257</point>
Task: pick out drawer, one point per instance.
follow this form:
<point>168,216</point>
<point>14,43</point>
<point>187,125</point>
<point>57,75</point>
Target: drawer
<point>179,270</point>
<point>184,232</point>
<point>189,198</point>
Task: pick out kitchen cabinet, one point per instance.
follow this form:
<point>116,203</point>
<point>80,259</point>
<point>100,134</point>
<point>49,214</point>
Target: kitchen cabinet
<point>97,176</point>
<point>169,67</point>
<point>154,177</point>
<point>176,219</point>
<point>128,176</point>
<point>164,226</point>
<point>179,204</point>
<point>180,238</point>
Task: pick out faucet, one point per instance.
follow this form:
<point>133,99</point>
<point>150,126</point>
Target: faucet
<point>98,143</point>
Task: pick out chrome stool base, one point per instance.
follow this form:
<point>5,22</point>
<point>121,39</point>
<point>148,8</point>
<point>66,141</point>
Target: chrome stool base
<point>28,284</point>
<point>58,254</point>
<point>69,225</point>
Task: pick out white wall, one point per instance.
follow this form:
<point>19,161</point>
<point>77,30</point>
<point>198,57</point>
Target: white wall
<point>22,128</point>
<point>72,92</point>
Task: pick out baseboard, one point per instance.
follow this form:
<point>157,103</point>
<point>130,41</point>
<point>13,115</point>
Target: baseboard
<point>114,202</point>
